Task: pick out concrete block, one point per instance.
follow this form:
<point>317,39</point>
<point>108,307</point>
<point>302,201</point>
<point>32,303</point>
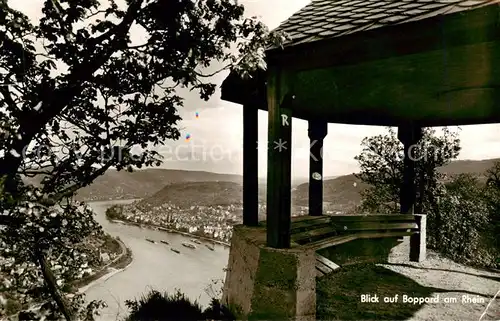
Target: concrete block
<point>418,244</point>
<point>264,283</point>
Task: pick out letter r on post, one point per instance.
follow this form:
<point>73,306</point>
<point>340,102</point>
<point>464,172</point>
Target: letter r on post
<point>284,120</point>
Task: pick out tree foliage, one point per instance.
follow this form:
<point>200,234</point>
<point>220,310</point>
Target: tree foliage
<point>177,306</point>
<point>492,193</point>
<point>459,224</point>
<point>381,163</point>
<point>114,212</point>
<point>78,96</point>
<point>462,213</point>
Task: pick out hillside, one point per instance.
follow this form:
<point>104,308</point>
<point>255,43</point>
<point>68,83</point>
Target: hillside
<point>477,167</point>
<point>341,194</point>
<point>302,180</point>
<point>144,183</point>
<point>188,194</point>
<point>338,191</point>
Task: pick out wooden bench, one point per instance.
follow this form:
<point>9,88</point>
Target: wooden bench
<point>324,266</point>
<point>320,232</point>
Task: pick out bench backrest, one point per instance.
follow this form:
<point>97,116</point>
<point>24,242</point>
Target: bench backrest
<point>343,228</point>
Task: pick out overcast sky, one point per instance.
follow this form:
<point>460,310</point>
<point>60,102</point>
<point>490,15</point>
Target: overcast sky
<point>216,135</point>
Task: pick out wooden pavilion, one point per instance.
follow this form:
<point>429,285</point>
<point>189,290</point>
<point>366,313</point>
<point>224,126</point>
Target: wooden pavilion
<point>403,63</point>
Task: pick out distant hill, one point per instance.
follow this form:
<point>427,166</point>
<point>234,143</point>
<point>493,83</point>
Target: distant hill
<point>338,191</point>
<point>195,193</point>
<point>144,183</point>
<point>299,181</point>
<point>198,193</point>
<point>344,192</point>
<point>476,167</point>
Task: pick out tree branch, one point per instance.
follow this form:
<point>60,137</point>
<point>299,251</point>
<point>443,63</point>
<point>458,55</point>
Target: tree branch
<point>54,102</point>
<point>8,220</point>
<point>7,97</point>
<point>124,25</point>
<point>94,14</point>
<point>69,191</point>
<point>214,73</point>
<point>51,283</point>
<point>60,98</point>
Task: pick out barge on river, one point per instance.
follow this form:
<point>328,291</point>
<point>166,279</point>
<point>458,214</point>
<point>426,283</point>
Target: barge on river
<point>189,245</point>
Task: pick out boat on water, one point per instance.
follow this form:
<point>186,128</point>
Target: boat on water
<point>151,241</point>
<point>189,245</point>
<point>176,251</point>
<point>164,242</point>
<point>210,247</point>
<point>196,241</point>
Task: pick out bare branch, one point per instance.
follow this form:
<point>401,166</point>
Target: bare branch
<point>123,26</point>
<point>94,14</point>
<point>214,73</point>
<point>69,191</point>
<point>4,90</point>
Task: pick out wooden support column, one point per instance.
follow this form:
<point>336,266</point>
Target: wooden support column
<point>317,132</point>
<point>409,136</point>
<point>279,163</point>
<point>250,166</point>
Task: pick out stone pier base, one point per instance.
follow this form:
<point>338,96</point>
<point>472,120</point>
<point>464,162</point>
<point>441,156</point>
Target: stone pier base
<point>269,284</point>
<point>418,244</point>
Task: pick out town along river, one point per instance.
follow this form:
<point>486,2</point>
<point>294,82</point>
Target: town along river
<point>155,266</point>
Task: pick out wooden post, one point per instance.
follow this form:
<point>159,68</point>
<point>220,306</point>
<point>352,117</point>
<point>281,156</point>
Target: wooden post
<point>409,136</point>
<point>317,132</point>
<point>278,164</point>
<point>250,166</point>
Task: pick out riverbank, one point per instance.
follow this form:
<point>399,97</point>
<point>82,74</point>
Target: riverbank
<point>170,230</point>
<point>119,263</point>
<point>155,266</point>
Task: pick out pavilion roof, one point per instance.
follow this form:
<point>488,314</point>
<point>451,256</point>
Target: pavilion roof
<point>384,62</point>
<point>324,19</point>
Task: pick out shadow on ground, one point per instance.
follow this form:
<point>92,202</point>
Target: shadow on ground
<point>339,294</point>
<point>493,278</point>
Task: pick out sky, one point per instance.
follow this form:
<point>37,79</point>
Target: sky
<point>216,135</point>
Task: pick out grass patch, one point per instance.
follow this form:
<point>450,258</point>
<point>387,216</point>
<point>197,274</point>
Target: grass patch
<point>111,244</point>
<point>86,280</point>
<point>339,294</point>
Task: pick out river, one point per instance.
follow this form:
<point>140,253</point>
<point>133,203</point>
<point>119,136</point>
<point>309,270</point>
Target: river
<point>155,266</point>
